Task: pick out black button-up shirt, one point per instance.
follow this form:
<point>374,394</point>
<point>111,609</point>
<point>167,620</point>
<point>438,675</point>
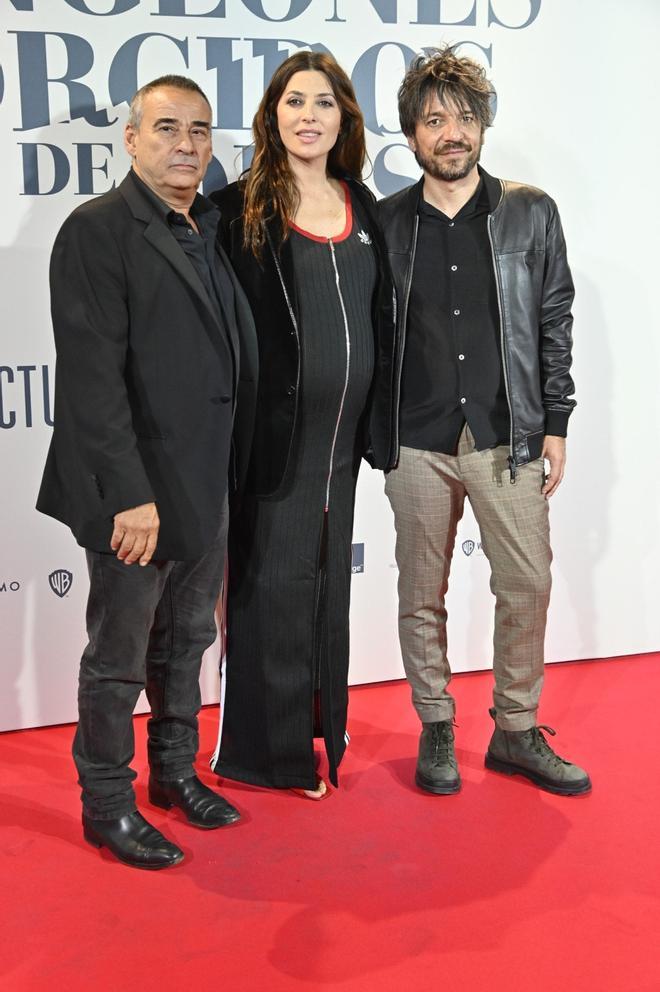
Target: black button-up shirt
<point>452,371</point>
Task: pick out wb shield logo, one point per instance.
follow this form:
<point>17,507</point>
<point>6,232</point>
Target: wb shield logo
<point>357,564</point>
<point>60,581</point>
<point>468,547</point>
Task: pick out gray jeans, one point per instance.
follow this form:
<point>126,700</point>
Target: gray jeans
<point>148,628</point>
<point>427,492</point>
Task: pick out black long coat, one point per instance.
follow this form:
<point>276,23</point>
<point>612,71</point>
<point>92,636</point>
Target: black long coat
<point>142,410</point>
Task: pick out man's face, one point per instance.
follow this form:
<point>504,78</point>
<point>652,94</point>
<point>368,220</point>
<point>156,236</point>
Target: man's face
<point>171,148</point>
<point>447,141</point>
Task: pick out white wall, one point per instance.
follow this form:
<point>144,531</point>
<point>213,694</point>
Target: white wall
<point>574,117</point>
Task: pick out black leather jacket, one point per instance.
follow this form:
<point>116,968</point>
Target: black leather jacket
<point>534,291</point>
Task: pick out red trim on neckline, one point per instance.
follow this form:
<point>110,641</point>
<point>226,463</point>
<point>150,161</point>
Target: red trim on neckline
<point>347,227</point>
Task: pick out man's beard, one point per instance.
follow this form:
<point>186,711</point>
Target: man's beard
<point>452,169</point>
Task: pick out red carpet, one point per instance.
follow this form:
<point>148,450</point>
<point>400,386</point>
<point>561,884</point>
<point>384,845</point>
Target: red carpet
<point>379,888</point>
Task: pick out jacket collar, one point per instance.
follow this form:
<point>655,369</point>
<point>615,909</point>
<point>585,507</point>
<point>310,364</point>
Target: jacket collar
<point>494,189</point>
<point>158,234</point>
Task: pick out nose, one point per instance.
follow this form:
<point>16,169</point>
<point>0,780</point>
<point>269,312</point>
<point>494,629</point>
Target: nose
<point>453,130</point>
<point>308,111</point>
<point>185,144</point>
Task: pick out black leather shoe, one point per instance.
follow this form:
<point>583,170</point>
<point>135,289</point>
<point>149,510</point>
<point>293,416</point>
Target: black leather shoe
<point>202,806</point>
<point>133,841</point>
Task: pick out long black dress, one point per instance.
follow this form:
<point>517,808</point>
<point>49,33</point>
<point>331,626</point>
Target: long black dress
<point>290,554</point>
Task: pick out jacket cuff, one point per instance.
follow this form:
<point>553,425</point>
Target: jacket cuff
<point>556,423</point>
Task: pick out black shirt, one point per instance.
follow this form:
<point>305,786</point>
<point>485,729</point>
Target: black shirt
<point>452,370</point>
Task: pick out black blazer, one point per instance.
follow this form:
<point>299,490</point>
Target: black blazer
<point>141,413</point>
<point>279,349</point>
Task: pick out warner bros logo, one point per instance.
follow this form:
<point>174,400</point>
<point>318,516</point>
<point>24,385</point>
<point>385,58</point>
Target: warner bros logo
<point>60,581</point>
<point>468,547</point>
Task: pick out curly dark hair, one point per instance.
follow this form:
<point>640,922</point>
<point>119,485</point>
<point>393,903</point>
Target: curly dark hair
<point>456,81</point>
<point>270,187</point>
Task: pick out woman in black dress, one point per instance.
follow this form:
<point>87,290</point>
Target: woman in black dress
<point>301,232</point>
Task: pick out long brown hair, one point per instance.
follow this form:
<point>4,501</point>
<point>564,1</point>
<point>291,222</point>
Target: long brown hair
<point>270,186</point>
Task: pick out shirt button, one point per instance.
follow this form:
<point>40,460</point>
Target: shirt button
<point>456,313</point>
<point>451,223</point>
<point>190,231</point>
<point>454,267</point>
<point>462,399</point>
<point>461,357</point>
<point>290,390</point>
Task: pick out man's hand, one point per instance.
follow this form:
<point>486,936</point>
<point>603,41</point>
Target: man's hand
<point>554,449</point>
<point>135,534</point>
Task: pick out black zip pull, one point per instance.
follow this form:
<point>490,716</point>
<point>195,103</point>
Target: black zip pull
<point>512,469</point>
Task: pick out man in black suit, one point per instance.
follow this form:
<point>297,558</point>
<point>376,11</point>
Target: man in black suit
<point>149,322</point>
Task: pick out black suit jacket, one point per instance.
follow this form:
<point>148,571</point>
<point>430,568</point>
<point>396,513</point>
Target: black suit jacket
<point>141,414</point>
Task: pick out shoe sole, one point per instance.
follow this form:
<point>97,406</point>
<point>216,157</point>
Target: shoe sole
<point>166,804</point>
<point>434,789</point>
<point>497,765</point>
<point>95,842</point>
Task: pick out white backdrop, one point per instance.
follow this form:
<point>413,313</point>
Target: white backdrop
<point>575,84</point>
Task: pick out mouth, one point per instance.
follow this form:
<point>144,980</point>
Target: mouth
<point>308,135</point>
<point>462,150</point>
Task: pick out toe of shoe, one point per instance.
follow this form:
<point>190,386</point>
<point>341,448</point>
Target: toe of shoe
<point>216,814</point>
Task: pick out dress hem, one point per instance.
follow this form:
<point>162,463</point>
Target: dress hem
<point>239,775</point>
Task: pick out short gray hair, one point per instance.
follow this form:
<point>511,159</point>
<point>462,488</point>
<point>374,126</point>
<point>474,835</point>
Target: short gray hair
<point>176,82</point>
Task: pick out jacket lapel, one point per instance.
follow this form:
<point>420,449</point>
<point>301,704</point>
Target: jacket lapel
<point>157,234</point>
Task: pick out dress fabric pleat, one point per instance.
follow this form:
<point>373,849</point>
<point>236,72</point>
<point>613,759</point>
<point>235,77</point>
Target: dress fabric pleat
<point>289,557</point>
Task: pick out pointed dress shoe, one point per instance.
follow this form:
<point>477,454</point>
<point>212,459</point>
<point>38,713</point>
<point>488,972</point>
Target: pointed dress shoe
<point>133,841</point>
<point>527,753</point>
<point>200,805</point>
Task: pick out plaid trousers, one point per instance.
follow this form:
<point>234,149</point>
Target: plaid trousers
<point>427,493</point>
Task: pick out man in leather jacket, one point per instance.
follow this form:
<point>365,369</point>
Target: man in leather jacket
<point>484,295</point>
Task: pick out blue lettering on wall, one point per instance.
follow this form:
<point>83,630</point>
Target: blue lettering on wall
<point>123,77</point>
<point>177,8</point>
<point>16,394</point>
<point>49,167</point>
<point>34,81</point>
<point>364,79</point>
<point>59,164</point>
<point>296,8</point>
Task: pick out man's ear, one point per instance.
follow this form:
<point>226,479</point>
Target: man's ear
<point>412,144</point>
<point>129,139</point>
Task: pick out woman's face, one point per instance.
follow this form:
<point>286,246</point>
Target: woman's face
<point>308,116</point>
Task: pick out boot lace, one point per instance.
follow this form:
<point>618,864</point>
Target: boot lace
<point>539,744</point>
<point>442,738</point>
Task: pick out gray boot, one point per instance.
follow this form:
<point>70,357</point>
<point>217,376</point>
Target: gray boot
<point>526,752</point>
<point>437,771</point>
